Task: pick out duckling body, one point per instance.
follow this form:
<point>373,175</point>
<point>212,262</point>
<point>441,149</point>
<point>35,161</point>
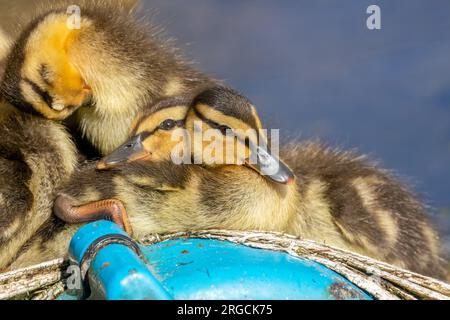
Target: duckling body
<point>36,157</point>
<point>121,62</point>
<point>345,200</point>
<point>338,198</point>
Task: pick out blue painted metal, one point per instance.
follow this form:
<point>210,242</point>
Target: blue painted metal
<point>206,269</point>
<point>117,272</point>
<point>211,269</point>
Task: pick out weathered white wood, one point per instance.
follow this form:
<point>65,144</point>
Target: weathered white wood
<point>381,280</point>
<point>25,281</point>
<point>50,293</point>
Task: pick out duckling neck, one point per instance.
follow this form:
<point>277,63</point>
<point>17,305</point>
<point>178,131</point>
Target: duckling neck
<point>250,201</point>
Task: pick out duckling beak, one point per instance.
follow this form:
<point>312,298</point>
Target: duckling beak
<point>270,167</point>
<point>130,151</point>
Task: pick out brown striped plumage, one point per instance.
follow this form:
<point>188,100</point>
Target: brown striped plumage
<point>36,157</point>
<point>349,202</point>
<point>339,198</point>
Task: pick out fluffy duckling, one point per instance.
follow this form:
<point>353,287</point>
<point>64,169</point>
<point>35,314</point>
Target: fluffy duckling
<point>161,196</point>
<point>340,198</point>
<point>101,67</point>
<point>337,198</point>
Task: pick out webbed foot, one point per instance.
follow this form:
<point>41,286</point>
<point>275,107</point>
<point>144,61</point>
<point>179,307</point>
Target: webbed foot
<point>109,209</point>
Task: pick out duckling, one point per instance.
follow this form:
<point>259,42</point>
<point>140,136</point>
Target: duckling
<point>336,197</point>
<point>341,199</point>
<point>160,196</point>
<point>100,73</point>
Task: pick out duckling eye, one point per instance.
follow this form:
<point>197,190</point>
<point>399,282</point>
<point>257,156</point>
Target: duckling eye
<point>167,124</point>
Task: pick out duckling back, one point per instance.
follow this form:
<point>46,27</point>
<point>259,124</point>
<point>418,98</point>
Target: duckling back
<point>348,202</point>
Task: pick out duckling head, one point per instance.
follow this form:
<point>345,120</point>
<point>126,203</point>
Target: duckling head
<point>39,77</point>
<point>220,127</point>
<point>232,134</point>
<point>152,134</point>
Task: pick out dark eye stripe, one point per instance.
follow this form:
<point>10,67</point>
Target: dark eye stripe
<point>215,125</point>
<point>146,134</point>
<point>211,123</point>
<point>43,94</point>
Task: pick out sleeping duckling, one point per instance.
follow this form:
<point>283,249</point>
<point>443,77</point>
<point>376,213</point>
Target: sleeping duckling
<point>160,196</point>
<point>338,198</point>
<point>102,71</point>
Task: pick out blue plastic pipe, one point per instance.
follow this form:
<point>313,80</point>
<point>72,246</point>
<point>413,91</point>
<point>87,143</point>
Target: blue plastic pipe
<point>116,271</point>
